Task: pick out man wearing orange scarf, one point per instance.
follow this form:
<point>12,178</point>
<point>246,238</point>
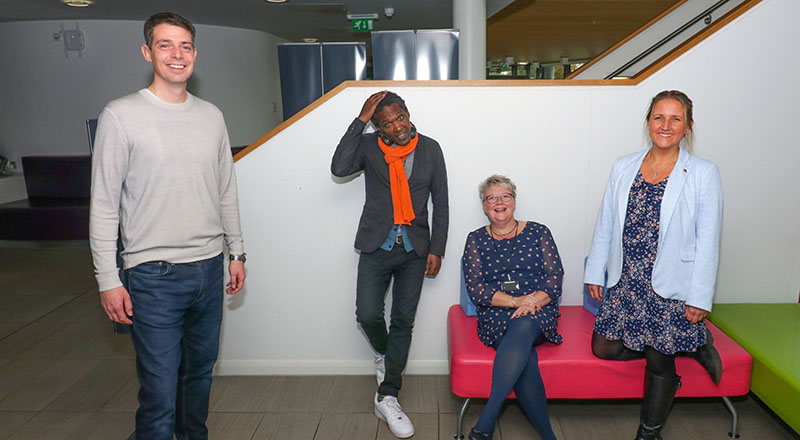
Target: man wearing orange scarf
<point>402,171</point>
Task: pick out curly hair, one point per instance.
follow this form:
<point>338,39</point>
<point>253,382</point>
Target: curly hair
<point>496,179</point>
<point>389,99</point>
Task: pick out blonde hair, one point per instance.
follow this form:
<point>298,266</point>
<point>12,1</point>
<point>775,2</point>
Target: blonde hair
<point>496,179</point>
<point>688,139</point>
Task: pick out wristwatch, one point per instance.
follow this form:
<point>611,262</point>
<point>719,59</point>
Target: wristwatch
<point>242,258</point>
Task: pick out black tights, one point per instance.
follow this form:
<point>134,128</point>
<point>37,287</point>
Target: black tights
<point>658,363</point>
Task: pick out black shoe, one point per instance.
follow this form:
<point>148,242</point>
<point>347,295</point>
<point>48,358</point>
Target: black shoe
<point>708,356</point>
<point>477,435</point>
<point>648,433</point>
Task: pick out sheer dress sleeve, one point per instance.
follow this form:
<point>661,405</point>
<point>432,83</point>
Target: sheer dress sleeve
<point>480,291</point>
<point>551,265</point>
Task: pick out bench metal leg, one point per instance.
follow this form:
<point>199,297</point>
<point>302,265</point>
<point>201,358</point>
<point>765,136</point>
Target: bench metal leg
<point>735,425</point>
<point>734,433</point>
<point>459,433</point>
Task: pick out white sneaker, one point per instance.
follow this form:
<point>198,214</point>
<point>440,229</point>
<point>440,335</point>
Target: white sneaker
<point>380,367</point>
<point>388,410</point>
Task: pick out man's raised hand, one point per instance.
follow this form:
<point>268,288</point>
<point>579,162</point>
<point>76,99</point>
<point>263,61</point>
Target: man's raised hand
<point>369,106</point>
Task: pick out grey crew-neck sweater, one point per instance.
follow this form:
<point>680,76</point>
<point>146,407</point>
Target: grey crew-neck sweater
<point>162,174</point>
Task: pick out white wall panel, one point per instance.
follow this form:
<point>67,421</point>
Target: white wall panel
<point>296,314</point>
<point>47,96</point>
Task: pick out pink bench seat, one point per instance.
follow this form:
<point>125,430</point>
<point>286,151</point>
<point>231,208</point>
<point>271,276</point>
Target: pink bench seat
<point>571,371</point>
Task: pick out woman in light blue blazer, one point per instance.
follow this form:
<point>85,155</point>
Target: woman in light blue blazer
<point>657,236</point>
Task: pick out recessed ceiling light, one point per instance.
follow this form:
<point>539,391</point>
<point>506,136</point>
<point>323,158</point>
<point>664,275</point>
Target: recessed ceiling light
<point>78,3</point>
<point>275,1</point>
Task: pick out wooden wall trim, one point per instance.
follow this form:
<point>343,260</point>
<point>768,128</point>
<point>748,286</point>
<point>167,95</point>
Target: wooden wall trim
<point>283,125</point>
<point>636,79</point>
<point>626,39</point>
<point>433,83</point>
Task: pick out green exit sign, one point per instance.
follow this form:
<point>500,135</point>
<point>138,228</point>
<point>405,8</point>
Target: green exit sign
<point>362,25</point>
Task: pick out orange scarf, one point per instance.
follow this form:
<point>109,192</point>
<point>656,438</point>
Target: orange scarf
<point>398,183</point>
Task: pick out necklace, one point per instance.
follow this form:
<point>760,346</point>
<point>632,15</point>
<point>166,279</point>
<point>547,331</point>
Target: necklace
<point>516,225</point>
<point>658,170</point>
<point>513,241</point>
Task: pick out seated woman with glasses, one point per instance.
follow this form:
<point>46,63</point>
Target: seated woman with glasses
<point>513,275</point>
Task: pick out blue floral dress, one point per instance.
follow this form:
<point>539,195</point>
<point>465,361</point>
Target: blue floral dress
<point>532,259</point>
<point>632,311</point>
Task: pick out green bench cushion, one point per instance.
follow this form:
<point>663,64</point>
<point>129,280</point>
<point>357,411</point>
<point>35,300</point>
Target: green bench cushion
<point>771,334</point>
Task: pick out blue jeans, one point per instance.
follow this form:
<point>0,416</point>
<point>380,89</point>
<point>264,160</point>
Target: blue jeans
<point>375,271</point>
<point>177,312</point>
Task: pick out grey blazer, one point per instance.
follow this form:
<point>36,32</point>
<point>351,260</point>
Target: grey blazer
<point>360,152</point>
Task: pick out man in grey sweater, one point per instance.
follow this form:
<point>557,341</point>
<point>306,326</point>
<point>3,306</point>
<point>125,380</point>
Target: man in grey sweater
<point>163,178</point>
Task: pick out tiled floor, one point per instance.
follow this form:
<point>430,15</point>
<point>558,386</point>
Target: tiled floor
<point>65,375</point>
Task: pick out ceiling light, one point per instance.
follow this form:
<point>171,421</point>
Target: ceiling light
<point>78,3</point>
<point>373,16</point>
<point>275,1</point>
<point>309,40</point>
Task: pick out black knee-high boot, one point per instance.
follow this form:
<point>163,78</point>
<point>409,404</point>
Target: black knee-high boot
<point>659,391</point>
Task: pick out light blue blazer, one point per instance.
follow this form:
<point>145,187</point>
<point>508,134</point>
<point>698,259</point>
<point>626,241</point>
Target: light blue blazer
<point>689,230</point>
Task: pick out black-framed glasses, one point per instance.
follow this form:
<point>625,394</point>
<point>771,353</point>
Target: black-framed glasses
<point>494,198</point>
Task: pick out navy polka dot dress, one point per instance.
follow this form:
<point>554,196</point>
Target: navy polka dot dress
<point>531,258</point>
<point>632,311</point>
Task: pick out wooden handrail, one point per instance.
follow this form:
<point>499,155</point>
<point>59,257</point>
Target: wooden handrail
<point>702,16</point>
<point>636,79</point>
<point>684,47</point>
<point>626,39</point>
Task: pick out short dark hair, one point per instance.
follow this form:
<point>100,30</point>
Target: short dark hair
<point>389,99</point>
<point>165,18</point>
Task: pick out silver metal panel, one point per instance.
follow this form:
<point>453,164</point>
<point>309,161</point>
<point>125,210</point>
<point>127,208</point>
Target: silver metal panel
<point>393,55</point>
<point>342,62</point>
<point>437,54</point>
<point>300,66</point>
